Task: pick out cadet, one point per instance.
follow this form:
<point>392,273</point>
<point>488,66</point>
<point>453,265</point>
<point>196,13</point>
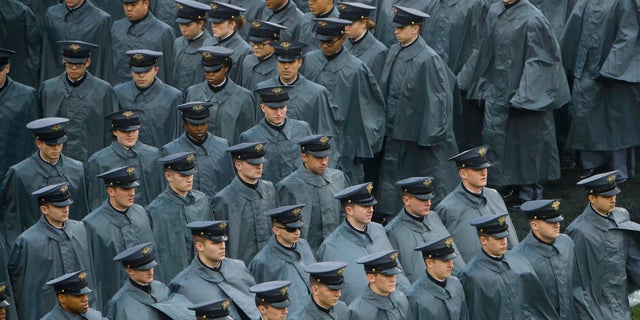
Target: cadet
<point>502,280</point>
<point>261,65</point>
<point>77,89</point>
<point>272,299</point>
<point>212,310</point>
<point>141,297</point>
<point>285,255</point>
<point>553,256</point>
<point>362,44</point>
<point>437,294</point>
<point>214,167</point>
<point>314,9</point>
<point>140,29</point>
<point>416,224</point>
<point>419,126</point>
<point>125,150</point>
<point>595,237</point>
<point>314,184</point>
<point>174,208</point>
<point>225,22</point>
<point>356,237</point>
<point>244,200</point>
<point>192,18</point>
<point>212,275</point>
<point>327,282</point>
<point>280,133</point>
<point>72,295</point>
<point>234,108</point>
<point>471,199</point>
<point>116,225</point>
<point>78,20</point>
<point>286,13</point>
<point>381,300</point>
<point>6,309</point>
<point>25,39</point>
<point>148,93</point>
<point>48,248</point>
<point>386,13</point>
<point>308,101</point>
<point>18,106</point>
<point>45,167</point>
<point>355,90</point>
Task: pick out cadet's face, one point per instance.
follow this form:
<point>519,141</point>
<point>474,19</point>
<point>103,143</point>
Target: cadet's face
<point>545,231</point>
<point>141,276</point>
<point>211,252</point>
<point>223,29</point>
<point>269,312</point>
<point>285,237</point>
<point>603,204</point>
<point>289,70</point>
<point>314,164</point>
<point>416,206</point>
<point>73,3</point>
<point>274,115</point>
<point>196,131</point>
<point>57,216</point>
<point>262,49</point>
<point>274,4</point>
<point>136,11</point>
<point>324,296</point>
<point>49,153</point>
<point>406,33</point>
<point>121,198</point>
<point>145,79</point>
<point>179,183</point>
<point>126,139</point>
<point>382,284</point>
<point>439,269</point>
<point>473,179</point>
<point>494,246</point>
<point>330,47</point>
<point>249,172</point>
<point>320,6</point>
<point>359,215</point>
<point>192,29</point>
<point>216,78</point>
<point>74,304</point>
<point>356,29</point>
<point>76,71</point>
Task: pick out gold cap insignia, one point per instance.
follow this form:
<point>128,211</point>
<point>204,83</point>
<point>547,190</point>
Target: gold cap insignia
<point>427,183</point>
<point>222,226</point>
<point>482,151</point>
<point>502,220</point>
<point>146,251</point>
<point>276,91</point>
<point>393,256</point>
<point>324,140</point>
<point>180,7</point>
<point>198,108</point>
<point>611,179</point>
<point>207,55</point>
<point>296,212</point>
<point>131,170</point>
<point>190,158</point>
<point>370,188</point>
<point>214,6</point>
<point>285,45</point>
<point>259,147</point>
<point>322,24</point>
<point>555,205</point>
<point>395,10</point>
<point>138,56</point>
<point>82,276</point>
<point>448,242</point>
<point>74,47</point>
<point>340,271</point>
<point>64,189</point>
<point>127,114</point>
<point>284,290</point>
<point>342,7</point>
<point>57,127</point>
<point>256,24</point>
<point>225,304</point>
<point>2,288</point>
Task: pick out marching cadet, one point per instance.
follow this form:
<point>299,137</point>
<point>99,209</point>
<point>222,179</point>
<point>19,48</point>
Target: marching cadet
<point>148,93</point>
<point>416,224</point>
<point>45,250</point>
<point>437,294</point>
<point>280,133</point>
<point>46,166</point>
<point>213,164</point>
<point>386,13</point>
<point>471,199</point>
<point>595,237</point>
<point>244,201</point>
<point>261,65</point>
<point>314,9</point>
<point>18,106</point>
<point>234,107</point>
<point>178,205</point>
<point>314,184</point>
<point>286,255</point>
<point>212,310</point>
<point>116,225</point>
<point>77,89</point>
<point>357,237</point>
<point>140,29</point>
<point>272,299</point>
<point>502,280</point>
<point>327,282</point>
<point>141,297</point>
<point>212,275</point>
<point>192,19</point>
<point>72,294</point>
<point>125,150</point>
<point>225,22</point>
<point>356,92</point>
<point>381,300</point>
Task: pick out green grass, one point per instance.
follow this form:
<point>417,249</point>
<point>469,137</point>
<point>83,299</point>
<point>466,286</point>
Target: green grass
<point>635,312</point>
